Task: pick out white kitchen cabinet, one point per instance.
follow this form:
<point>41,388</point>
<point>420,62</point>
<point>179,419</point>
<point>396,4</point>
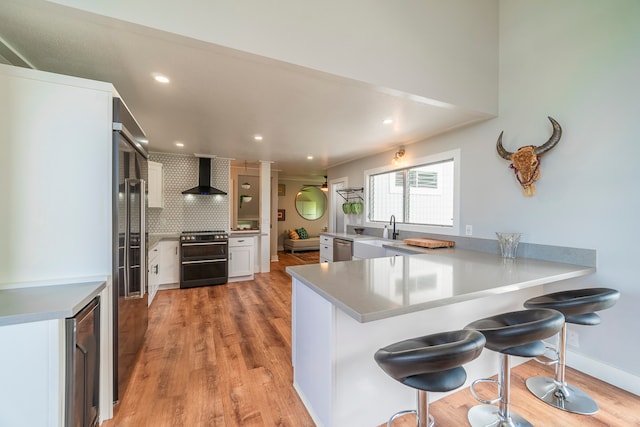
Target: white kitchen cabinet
<point>169,262</point>
<point>240,258</point>
<point>153,279</point>
<point>326,249</point>
<point>46,122</point>
<point>155,195</point>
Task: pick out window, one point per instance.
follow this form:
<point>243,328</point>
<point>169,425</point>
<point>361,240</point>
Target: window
<point>421,194</point>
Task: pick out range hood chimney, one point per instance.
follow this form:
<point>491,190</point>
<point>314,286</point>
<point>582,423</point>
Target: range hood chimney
<point>204,179</point>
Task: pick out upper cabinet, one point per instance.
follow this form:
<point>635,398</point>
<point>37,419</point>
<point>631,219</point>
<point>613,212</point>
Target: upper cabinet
<point>156,185</point>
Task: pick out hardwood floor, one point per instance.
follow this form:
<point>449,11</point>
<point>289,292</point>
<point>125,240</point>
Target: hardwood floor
<point>221,356</point>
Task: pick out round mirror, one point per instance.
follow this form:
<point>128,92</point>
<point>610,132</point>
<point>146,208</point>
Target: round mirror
<point>311,203</point>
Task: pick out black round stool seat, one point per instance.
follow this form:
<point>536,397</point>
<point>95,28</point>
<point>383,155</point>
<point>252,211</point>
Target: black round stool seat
<point>578,306</point>
<point>519,333</point>
<point>432,362</point>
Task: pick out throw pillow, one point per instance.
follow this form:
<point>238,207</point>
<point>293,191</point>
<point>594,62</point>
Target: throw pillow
<point>302,233</point>
<point>293,235</point>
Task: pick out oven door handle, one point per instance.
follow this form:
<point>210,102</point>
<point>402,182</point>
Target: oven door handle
<point>204,244</point>
<point>205,261</point>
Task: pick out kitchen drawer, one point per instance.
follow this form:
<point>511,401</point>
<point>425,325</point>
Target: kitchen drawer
<point>326,250</point>
<point>240,241</point>
<point>326,240</point>
<point>323,260</point>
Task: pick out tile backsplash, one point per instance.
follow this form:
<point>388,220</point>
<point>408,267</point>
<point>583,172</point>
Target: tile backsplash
<point>189,212</point>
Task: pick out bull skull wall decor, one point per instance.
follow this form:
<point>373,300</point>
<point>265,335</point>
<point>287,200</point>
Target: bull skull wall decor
<point>526,161</point>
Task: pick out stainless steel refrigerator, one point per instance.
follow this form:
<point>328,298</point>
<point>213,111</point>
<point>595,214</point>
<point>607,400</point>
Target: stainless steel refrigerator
<point>129,245</point>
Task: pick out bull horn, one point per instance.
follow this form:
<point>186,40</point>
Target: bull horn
<point>503,153</point>
<point>553,140</point>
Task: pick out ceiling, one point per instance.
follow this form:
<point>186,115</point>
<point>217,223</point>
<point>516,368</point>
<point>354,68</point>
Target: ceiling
<point>218,98</point>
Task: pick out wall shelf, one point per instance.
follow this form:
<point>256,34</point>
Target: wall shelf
<point>349,194</point>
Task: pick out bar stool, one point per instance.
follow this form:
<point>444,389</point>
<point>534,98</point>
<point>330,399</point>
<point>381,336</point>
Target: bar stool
<point>518,333</point>
<point>430,363</point>
<point>579,307</point>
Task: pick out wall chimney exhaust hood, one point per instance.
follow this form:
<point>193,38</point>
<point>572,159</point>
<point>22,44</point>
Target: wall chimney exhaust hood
<point>204,179</point>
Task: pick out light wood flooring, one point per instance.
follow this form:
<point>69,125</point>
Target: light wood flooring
<point>221,356</point>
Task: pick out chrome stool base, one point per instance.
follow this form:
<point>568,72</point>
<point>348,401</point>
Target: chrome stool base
<point>429,423</point>
<point>565,397</point>
<point>489,416</point>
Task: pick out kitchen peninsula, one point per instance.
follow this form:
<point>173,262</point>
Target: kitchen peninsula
<point>343,312</point>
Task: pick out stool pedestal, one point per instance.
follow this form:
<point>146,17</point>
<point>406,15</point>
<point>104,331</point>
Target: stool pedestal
<point>517,333</point>
<point>579,307</point>
<point>556,392</point>
<point>423,418</point>
<point>498,416</point>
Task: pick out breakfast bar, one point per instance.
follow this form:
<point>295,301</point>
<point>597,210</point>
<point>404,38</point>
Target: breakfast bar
<point>343,312</point>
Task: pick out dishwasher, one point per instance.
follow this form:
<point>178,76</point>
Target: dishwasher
<point>342,250</point>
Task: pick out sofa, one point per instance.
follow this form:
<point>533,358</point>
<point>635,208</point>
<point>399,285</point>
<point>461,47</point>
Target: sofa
<point>310,244</point>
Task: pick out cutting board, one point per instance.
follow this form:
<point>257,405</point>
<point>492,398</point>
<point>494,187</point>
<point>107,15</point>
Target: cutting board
<point>429,243</point>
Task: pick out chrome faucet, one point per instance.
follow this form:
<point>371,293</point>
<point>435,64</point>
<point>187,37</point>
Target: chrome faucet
<point>392,221</point>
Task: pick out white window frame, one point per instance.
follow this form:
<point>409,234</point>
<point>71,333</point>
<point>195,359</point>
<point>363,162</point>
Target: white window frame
<point>454,155</point>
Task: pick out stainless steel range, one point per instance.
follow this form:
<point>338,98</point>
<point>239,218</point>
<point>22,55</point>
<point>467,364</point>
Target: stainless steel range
<point>203,258</point>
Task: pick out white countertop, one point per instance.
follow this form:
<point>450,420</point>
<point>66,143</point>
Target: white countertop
<point>352,237</point>
<point>33,304</point>
<point>373,289</point>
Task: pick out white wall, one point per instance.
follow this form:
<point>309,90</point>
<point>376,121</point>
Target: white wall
<point>577,61</point>
<point>445,50</point>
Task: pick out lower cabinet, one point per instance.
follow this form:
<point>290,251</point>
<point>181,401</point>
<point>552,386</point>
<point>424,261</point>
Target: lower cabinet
<point>240,258</point>
<point>326,249</point>
<point>153,278</point>
<point>169,262</point>
<point>164,267</point>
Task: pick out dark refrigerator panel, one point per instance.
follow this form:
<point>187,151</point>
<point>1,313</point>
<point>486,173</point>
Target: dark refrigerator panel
<point>130,252</point>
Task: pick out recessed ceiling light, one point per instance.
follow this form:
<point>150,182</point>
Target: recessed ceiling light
<point>257,137</point>
<point>179,144</point>
<point>387,121</point>
<point>309,157</point>
<point>160,78</point>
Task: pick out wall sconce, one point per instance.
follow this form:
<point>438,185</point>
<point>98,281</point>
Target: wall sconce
<point>397,158</point>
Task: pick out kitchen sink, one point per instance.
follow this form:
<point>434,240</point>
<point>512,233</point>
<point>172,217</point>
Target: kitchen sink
<point>369,248</point>
<point>374,242</point>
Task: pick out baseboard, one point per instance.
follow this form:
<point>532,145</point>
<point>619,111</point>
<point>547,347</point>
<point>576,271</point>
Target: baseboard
<point>604,372</point>
<point>166,286</point>
<point>307,406</point>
